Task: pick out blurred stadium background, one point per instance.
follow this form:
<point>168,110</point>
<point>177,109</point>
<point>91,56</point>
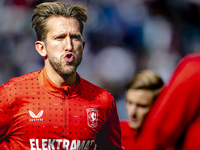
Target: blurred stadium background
<point>122,37</point>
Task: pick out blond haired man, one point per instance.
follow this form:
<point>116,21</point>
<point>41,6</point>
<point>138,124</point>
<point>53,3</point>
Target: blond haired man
<point>141,92</point>
<point>54,108</point>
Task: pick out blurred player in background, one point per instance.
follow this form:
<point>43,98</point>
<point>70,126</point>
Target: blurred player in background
<point>54,108</point>
<point>141,92</point>
<point>174,118</point>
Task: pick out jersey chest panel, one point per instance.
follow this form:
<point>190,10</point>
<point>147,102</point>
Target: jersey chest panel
<point>39,115</point>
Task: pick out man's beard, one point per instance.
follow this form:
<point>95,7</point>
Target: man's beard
<point>59,68</point>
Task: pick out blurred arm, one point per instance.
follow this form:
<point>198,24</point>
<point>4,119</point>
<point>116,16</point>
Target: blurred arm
<point>174,110</point>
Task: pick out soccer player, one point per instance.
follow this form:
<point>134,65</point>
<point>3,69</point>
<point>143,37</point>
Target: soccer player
<point>174,118</point>
<point>141,92</point>
<point>54,108</point>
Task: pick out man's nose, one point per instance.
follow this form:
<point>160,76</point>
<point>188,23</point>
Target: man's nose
<point>68,44</point>
<point>133,109</point>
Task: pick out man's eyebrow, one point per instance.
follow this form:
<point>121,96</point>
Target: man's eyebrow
<point>76,33</point>
<point>59,34</point>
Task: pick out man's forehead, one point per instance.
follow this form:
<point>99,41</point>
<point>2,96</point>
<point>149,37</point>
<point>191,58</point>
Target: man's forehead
<point>60,23</point>
<point>135,94</point>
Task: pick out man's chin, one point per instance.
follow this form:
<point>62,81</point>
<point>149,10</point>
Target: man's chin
<point>134,125</point>
<point>68,72</point>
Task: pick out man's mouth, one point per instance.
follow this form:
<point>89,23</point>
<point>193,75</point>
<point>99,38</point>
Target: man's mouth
<point>133,119</point>
<point>69,57</point>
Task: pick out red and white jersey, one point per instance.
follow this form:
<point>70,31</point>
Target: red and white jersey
<point>35,114</point>
<point>174,118</point>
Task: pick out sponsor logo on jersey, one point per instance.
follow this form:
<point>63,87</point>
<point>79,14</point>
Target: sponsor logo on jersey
<point>36,117</point>
<point>58,144</point>
<point>92,117</point>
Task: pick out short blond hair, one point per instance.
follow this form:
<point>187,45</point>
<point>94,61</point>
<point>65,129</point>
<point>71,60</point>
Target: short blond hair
<point>147,80</point>
<point>44,10</point>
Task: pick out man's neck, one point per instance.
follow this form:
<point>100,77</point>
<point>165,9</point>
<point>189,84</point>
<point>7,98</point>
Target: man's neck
<point>59,80</point>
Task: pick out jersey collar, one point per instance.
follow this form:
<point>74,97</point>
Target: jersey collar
<point>64,91</point>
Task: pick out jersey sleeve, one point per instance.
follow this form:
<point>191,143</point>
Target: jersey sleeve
<point>175,108</point>
<point>110,135</point>
<point>5,114</point>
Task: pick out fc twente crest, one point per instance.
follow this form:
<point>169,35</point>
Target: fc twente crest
<point>92,117</point>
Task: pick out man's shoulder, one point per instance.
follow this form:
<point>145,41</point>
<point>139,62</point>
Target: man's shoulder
<point>95,90</point>
<point>189,62</point>
<point>29,77</point>
<point>89,85</point>
<point>192,57</point>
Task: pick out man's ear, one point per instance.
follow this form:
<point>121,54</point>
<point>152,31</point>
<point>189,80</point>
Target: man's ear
<point>40,47</point>
<point>83,45</point>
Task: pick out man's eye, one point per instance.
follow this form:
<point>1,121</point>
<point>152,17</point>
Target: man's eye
<point>128,102</point>
<point>143,105</point>
<point>75,37</point>
<point>59,37</point>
